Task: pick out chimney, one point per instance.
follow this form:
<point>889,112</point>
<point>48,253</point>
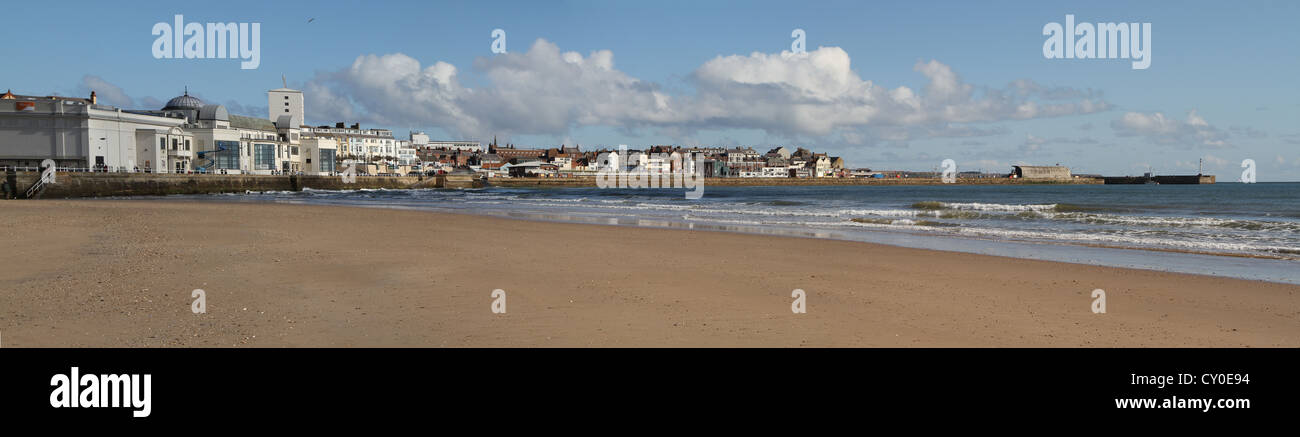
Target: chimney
<point>93,100</point>
<point>338,125</point>
<point>356,126</point>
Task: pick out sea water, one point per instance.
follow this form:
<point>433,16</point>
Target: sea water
<point>1231,229</point>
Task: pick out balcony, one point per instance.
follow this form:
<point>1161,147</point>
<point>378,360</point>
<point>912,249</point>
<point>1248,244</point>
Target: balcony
<point>179,152</point>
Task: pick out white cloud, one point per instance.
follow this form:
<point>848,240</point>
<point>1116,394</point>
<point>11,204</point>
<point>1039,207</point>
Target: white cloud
<point>988,165</point>
<point>107,93</point>
<point>1033,142</point>
<point>541,91</point>
<point>1159,129</point>
<point>547,91</point>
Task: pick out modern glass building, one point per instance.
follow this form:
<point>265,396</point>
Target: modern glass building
<point>263,156</point>
<point>227,159</point>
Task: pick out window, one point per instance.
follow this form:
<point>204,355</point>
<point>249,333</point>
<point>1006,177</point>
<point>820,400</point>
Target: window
<point>162,144</point>
<point>264,157</point>
<point>286,109</point>
<point>326,160</point>
<point>187,144</point>
<point>227,159</point>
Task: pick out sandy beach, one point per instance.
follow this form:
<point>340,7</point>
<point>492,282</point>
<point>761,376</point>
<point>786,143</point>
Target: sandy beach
<point>120,273</point>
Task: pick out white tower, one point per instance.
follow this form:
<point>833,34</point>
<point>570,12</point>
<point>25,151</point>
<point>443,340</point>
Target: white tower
<point>284,101</point>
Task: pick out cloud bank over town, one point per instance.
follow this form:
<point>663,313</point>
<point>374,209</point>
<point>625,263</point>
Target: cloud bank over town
<point>547,91</point>
<point>817,97</point>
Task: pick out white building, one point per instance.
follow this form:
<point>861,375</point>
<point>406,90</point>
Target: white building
<point>366,145</point>
<point>216,147</point>
<point>465,146</point>
<point>739,155</point>
<point>406,154</point>
<point>320,155</point>
<point>82,134</point>
<point>418,139</point>
<point>284,101</point>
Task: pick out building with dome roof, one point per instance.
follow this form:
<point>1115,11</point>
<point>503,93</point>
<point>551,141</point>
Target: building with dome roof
<point>183,102</point>
<point>234,144</point>
<point>185,135</point>
<point>215,144</point>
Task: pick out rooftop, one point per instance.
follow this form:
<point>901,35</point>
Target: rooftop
<point>185,101</point>
<point>240,121</point>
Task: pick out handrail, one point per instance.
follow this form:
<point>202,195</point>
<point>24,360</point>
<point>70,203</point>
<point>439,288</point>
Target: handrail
<point>192,172</point>
<point>35,189</point>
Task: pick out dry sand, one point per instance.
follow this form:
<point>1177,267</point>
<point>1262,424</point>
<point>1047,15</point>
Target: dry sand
<point>120,274</point>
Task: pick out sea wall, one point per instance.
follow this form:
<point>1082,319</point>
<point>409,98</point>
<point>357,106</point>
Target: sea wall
<point>737,182</point>
<point>71,185</point>
<point>1185,179</point>
<point>68,185</point>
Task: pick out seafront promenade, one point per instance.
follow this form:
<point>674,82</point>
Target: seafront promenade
<point>741,182</point>
<point>75,185</point>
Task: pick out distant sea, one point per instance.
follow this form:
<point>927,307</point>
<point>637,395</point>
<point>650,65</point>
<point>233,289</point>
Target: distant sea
<point>1239,230</point>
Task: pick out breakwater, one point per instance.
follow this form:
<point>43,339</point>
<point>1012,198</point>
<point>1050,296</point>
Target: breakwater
<point>1172,179</point>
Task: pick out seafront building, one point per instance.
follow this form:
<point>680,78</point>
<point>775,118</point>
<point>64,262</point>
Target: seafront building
<point>188,135</point>
<point>374,151</point>
<point>184,136</point>
<point>81,133</point>
<point>420,141</point>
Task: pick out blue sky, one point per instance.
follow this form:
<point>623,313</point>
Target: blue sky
<point>1234,64</point>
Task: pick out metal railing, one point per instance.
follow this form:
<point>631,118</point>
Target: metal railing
<point>107,169</point>
<point>231,172</point>
<point>35,189</point>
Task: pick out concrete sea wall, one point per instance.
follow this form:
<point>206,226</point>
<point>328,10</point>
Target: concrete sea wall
<point>738,182</point>
<point>69,185</point>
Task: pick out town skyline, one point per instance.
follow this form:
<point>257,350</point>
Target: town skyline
<point>584,73</point>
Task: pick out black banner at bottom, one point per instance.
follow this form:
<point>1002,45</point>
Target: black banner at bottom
<point>286,386</point>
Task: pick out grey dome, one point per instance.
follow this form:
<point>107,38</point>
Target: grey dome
<point>183,102</point>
